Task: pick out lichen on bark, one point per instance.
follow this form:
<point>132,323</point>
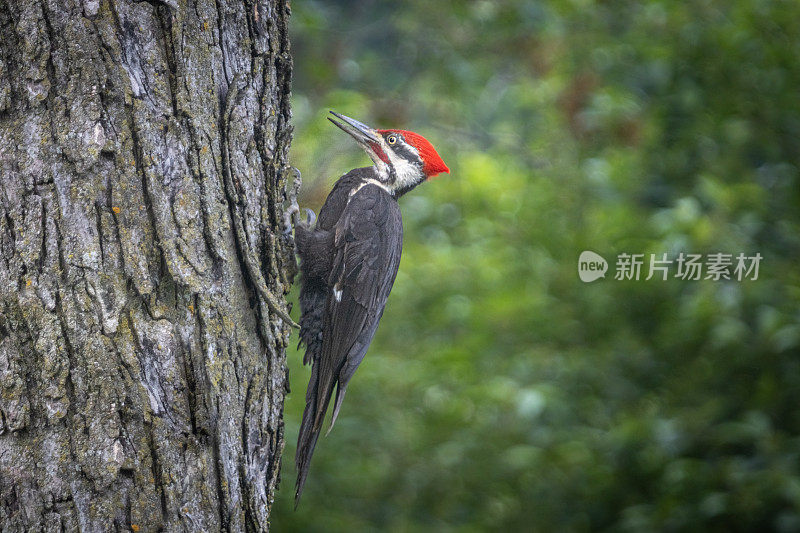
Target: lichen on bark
<point>142,367</point>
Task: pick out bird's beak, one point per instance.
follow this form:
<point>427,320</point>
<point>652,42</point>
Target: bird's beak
<point>362,133</point>
<point>368,138</point>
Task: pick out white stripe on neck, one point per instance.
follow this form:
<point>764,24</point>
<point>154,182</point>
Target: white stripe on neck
<point>370,181</point>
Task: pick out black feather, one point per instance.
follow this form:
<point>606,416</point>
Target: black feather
<point>354,249</point>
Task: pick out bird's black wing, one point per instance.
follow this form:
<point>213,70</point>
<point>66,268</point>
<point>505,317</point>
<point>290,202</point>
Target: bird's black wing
<point>316,250</point>
<point>368,241</point>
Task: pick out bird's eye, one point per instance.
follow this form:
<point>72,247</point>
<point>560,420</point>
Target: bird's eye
<point>392,139</point>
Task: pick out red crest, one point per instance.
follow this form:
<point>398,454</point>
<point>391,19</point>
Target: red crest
<point>432,163</point>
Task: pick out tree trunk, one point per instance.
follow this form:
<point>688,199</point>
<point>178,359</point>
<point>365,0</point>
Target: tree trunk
<point>143,268</point>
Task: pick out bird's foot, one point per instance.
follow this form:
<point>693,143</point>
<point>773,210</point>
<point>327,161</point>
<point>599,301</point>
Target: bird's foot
<point>291,212</point>
<point>311,217</point>
<point>290,217</point>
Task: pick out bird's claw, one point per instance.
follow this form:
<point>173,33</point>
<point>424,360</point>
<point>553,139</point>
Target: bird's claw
<point>311,218</point>
<point>290,217</point>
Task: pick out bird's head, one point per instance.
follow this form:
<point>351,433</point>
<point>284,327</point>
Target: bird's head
<point>403,159</point>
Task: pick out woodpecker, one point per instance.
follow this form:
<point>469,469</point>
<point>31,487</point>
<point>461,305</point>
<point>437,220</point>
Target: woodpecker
<point>348,263</point>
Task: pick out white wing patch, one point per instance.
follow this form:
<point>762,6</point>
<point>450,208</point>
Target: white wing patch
<point>337,293</point>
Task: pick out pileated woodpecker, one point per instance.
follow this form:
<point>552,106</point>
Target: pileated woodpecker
<point>348,264</point>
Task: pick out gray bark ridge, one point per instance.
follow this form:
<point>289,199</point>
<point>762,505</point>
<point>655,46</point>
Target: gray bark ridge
<point>143,268</point>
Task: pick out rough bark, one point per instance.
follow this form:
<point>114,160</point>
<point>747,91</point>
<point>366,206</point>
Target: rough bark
<point>142,367</point>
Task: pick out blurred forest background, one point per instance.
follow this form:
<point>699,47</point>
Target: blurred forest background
<point>501,392</point>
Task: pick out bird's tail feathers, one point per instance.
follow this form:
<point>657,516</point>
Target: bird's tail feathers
<point>307,438</point>
<point>318,396</point>
<point>340,391</point>
<point>306,443</point>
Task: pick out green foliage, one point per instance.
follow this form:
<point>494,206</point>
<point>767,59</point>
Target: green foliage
<point>501,392</point>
